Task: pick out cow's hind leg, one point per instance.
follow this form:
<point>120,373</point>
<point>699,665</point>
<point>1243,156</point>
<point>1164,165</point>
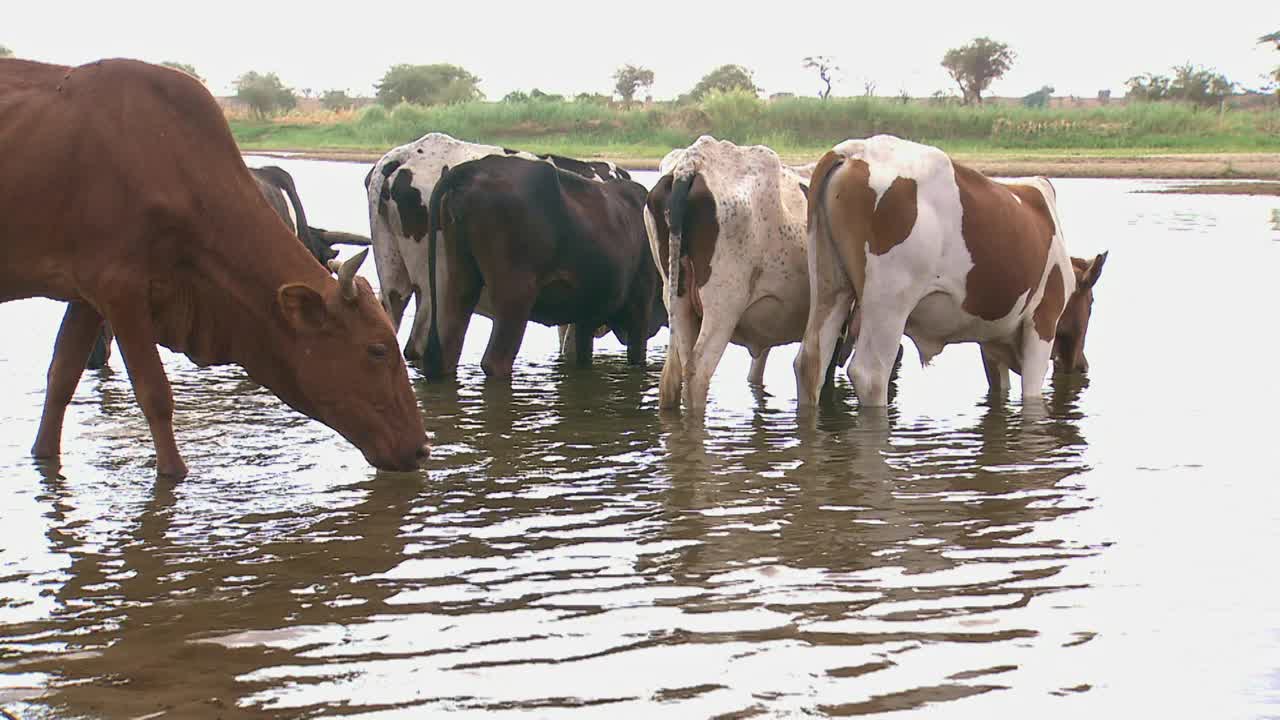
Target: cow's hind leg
<point>828,315</point>
<point>513,300</point>
<point>875,353</point>
<point>685,326</point>
<point>713,338</point>
<point>81,326</point>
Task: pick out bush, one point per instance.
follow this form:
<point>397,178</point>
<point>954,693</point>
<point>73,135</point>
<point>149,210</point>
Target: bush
<point>264,94</point>
<point>733,114</point>
<point>439,84</point>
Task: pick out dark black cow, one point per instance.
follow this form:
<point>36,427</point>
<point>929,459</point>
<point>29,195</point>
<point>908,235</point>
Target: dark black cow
<point>549,246</point>
<point>276,185</point>
<point>278,188</point>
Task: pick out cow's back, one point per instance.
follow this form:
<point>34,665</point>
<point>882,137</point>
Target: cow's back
<point>116,145</point>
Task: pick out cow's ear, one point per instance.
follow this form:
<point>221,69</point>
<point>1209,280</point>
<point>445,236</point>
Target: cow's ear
<point>303,308</point>
<point>1094,271</point>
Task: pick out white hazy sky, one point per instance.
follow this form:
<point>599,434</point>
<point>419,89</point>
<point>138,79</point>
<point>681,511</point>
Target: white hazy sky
<point>570,47</point>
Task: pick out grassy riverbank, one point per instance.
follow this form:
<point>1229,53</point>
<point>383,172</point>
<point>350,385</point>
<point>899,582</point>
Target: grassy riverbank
<point>800,129</point>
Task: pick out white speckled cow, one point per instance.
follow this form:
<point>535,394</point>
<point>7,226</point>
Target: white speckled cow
<point>727,227</point>
<point>399,186</point>
<point>938,252</point>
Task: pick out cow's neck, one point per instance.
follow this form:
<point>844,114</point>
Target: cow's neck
<point>221,307</point>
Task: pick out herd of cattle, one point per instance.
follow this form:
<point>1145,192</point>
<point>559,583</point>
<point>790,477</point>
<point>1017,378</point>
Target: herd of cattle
<point>124,194</point>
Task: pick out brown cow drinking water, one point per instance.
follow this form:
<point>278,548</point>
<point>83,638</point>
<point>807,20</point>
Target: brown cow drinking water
<point>123,193</point>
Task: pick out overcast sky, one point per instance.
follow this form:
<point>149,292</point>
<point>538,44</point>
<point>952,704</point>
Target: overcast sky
<point>570,47</point>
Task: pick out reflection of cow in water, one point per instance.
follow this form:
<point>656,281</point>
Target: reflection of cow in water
<point>278,188</point>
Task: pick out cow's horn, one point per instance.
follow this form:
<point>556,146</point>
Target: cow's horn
<point>334,266</point>
<point>347,274</point>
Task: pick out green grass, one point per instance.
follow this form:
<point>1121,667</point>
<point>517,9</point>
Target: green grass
<point>794,127</point>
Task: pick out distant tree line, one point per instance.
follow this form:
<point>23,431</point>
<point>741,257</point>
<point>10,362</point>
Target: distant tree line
<point>974,67</point>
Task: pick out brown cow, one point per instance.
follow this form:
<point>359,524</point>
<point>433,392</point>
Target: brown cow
<point>940,253</point>
<point>124,194</point>
<point>278,188</point>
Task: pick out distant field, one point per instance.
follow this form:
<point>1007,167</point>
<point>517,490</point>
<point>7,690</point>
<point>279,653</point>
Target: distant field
<point>798,128</point>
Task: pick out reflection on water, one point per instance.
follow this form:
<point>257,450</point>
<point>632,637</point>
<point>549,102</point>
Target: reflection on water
<point>572,552</point>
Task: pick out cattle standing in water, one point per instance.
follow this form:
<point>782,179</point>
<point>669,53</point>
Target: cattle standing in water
<point>278,188</point>
<point>399,187</point>
<point>150,219</point>
<point>727,225</point>
<point>938,252</point>
<point>550,246</point>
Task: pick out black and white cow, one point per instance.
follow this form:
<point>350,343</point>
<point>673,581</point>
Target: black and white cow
<point>399,187</point>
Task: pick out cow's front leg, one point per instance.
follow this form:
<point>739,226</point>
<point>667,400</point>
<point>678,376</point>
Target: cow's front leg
<point>1035,363</point>
<point>101,350</point>
<point>81,326</point>
<point>137,341</point>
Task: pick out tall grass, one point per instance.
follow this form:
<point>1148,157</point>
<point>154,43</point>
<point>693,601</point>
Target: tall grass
<point>786,124</point>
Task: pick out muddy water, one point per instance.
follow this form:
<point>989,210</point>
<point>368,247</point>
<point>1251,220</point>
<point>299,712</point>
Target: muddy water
<point>569,552</point>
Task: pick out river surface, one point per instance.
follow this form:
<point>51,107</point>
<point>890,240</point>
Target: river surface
<point>570,552</point>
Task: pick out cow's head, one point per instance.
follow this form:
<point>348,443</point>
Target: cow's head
<point>1068,343</point>
<point>343,368</point>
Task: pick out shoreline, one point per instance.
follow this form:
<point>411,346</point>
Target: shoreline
<point>1173,166</point>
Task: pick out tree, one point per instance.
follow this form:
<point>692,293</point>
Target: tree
<point>826,67</point>
<point>438,84</point>
<point>1147,86</point>
<point>1198,85</point>
<point>1039,98</point>
<point>516,96</point>
<point>264,94</point>
<point>536,94</point>
<point>591,98</point>
<point>725,78</point>
<point>1274,76</point>
<point>5,52</point>
<point>336,100</point>
<point>184,67</point>
<point>628,79</point>
<point>976,65</point>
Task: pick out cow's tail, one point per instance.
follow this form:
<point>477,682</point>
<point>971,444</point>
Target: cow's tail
<point>819,218</point>
<point>433,357</point>
<point>677,206</point>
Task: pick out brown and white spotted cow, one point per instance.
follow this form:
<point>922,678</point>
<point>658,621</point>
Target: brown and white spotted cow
<point>399,187</point>
<point>727,228</point>
<point>935,251</point>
